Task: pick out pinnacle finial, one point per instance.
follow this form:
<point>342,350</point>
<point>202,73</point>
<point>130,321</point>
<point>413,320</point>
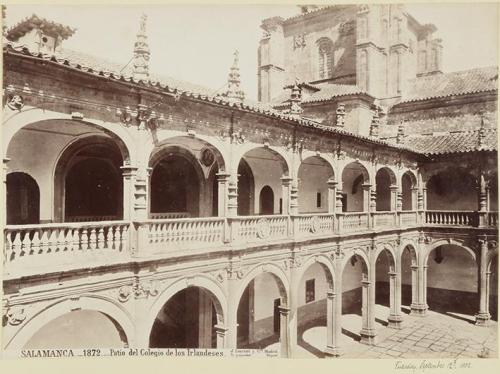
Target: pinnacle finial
<point>141,52</point>
<point>234,93</point>
<point>375,123</point>
<point>401,133</point>
<point>481,134</point>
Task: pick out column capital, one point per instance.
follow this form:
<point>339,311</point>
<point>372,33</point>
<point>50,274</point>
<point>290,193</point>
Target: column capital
<point>332,183</point>
<point>331,295</point>
<point>223,176</point>
<point>392,274</point>
<point>366,186</point>
<point>393,187</point>
<point>365,283</point>
<point>284,310</point>
<point>286,180</point>
<point>220,329</point>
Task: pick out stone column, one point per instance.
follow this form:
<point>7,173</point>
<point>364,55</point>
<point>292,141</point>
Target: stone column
<point>225,205</point>
<point>286,183</point>
<point>420,308</point>
<point>204,320</point>
<point>332,322</point>
<point>141,192</point>
<point>483,316</point>
<point>395,317</point>
<point>368,317</point>
<point>221,332</point>
<point>129,175</point>
<point>232,199</point>
<point>395,200</point>
<point>293,303</point>
<point>231,333</point>
<point>415,307</point>
<point>332,196</point>
<point>414,198</point>
<point>5,170</point>
<point>294,197</point>
<point>483,202</point>
<point>284,332</point>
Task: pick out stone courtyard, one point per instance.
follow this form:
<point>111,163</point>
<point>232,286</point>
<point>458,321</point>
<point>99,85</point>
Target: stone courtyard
<point>437,335</point>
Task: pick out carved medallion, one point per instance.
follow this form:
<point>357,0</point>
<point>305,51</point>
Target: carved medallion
<point>263,228</point>
<point>15,102</point>
<point>315,224</point>
<point>207,157</point>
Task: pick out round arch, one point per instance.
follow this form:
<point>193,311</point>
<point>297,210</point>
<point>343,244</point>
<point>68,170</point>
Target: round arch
<point>105,305</point>
<point>326,265</point>
<point>441,242</point>
<point>281,156</point>
<point>275,271</point>
<point>363,256</point>
<point>313,174</point>
<point>66,160</point>
<point>31,116</point>
<point>411,249</point>
<point>388,250</point>
<point>202,281</point>
<point>354,176</point>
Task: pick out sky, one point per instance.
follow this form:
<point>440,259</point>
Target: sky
<point>196,42</point>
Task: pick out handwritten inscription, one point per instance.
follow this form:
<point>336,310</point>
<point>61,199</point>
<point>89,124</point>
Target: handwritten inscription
<point>429,365</point>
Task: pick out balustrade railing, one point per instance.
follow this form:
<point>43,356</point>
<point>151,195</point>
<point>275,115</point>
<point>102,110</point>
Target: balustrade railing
<point>29,243</point>
<point>186,233</point>
<point>354,221</point>
<point>306,225</point>
<point>449,218</point>
<point>384,220</point>
<point>252,229</point>
<point>41,245</point>
<point>92,218</point>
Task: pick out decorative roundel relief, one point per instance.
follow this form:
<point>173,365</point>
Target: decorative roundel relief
<point>263,228</point>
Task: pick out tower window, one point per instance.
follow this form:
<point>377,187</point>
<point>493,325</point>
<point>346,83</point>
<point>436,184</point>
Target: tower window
<point>325,58</point>
<point>318,200</point>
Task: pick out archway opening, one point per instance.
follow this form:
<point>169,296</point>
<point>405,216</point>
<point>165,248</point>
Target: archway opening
<point>266,198</point>
<point>355,271</point>
<point>246,189</point>
<point>452,189</point>
<point>265,170</point>
<point>384,180</point>
<point>408,278</point>
<point>175,187</point>
<point>384,286</point>
<point>452,282</point>
<point>354,176</point>
<point>408,183</point>
<point>314,173</point>
<point>258,314</point>
<point>314,285</point>
<point>187,320</point>
<point>94,185</point>
<point>23,199</point>
<point>79,329</point>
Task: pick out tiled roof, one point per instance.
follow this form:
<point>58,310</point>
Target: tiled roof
<point>455,83</point>
<point>101,68</point>
<point>328,91</point>
<point>452,142</point>
<point>323,92</point>
<point>100,64</point>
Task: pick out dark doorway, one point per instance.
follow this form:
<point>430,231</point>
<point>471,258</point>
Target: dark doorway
<point>245,189</point>
<point>93,191</point>
<point>266,201</point>
<point>276,321</point>
<point>175,186</point>
<point>23,199</point>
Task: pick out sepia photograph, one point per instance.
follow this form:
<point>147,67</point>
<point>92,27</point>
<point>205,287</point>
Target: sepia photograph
<point>251,181</point>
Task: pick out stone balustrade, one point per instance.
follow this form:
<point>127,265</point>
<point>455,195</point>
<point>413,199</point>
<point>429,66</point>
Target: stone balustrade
<point>29,246</point>
<point>450,218</point>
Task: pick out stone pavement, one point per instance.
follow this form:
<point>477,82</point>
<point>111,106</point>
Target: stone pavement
<point>433,336</point>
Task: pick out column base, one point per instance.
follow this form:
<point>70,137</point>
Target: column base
<point>332,352</point>
<point>483,319</point>
<point>395,321</point>
<point>368,336</point>
<point>418,310</point>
